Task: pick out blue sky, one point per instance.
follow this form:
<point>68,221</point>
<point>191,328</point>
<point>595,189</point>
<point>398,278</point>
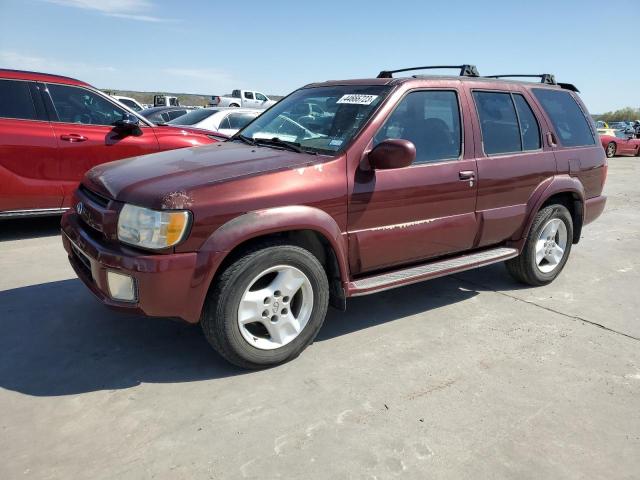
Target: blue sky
<point>212,47</point>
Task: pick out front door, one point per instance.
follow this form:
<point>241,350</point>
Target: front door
<point>422,211</point>
<point>83,126</point>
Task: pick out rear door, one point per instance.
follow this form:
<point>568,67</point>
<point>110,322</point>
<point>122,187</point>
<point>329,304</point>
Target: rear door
<point>249,100</point>
<point>513,161</point>
<point>425,210</point>
<point>83,126</point>
<point>29,157</point>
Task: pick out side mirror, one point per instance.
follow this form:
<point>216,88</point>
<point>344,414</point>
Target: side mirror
<point>127,123</point>
<point>392,153</point>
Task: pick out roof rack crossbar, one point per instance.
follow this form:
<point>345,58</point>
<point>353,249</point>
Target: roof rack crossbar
<point>465,70</point>
<point>547,78</point>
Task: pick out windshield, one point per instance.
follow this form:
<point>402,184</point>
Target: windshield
<point>193,117</point>
<point>321,119</point>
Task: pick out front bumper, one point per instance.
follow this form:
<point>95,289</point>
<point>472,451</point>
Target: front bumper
<point>171,285</point>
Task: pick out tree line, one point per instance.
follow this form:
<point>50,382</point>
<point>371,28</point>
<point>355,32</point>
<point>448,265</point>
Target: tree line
<point>623,114</point>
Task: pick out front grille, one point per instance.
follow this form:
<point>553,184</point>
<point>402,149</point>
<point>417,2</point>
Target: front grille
<point>94,197</point>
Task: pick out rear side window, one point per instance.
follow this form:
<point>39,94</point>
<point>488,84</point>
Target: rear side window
<point>498,122</point>
<point>529,129</point>
<point>16,101</point>
<point>567,117</point>
<point>507,122</point>
<point>431,121</point>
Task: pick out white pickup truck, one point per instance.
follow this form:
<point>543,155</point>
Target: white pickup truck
<point>242,98</point>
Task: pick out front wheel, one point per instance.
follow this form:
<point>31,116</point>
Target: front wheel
<point>267,306</point>
<point>547,248</point>
<point>611,150</point>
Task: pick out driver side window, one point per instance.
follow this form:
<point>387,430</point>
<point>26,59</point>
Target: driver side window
<point>78,105</point>
<point>431,121</point>
<point>261,97</point>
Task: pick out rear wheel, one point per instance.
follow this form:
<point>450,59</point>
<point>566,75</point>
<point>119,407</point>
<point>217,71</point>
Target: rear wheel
<point>611,150</point>
<point>547,248</point>
<point>267,306</point>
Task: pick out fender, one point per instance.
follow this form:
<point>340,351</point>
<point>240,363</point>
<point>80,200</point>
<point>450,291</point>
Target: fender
<point>280,219</point>
<point>549,187</point>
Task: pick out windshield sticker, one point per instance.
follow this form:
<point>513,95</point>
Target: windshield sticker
<point>335,143</point>
<point>357,99</point>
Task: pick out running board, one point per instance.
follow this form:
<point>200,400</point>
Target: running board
<point>398,278</point>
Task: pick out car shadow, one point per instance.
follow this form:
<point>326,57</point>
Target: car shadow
<point>24,228</point>
<point>58,340</point>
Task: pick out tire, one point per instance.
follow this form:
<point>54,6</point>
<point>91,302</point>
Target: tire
<point>221,319</point>
<point>526,267</point>
<point>611,150</point>
<point>234,105</point>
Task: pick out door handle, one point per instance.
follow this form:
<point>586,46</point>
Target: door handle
<point>467,176</point>
<point>73,138</point>
<point>551,139</point>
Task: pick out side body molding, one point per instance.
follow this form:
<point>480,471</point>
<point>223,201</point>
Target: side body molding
<point>550,187</point>
<point>280,219</point>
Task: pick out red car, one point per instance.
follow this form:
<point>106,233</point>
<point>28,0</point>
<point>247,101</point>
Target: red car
<point>398,181</point>
<point>53,129</point>
<point>621,144</point>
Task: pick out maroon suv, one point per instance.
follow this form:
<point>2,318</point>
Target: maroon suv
<point>343,188</point>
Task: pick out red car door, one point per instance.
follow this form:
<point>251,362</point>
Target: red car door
<point>424,210</point>
<point>28,151</point>
<point>83,123</point>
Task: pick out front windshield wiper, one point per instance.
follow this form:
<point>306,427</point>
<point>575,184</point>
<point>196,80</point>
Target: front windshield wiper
<point>293,146</point>
<point>242,138</point>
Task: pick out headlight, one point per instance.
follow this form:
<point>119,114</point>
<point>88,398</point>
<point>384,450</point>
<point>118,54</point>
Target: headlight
<point>150,228</point>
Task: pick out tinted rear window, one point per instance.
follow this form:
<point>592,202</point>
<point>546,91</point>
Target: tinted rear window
<point>567,117</point>
<point>15,100</point>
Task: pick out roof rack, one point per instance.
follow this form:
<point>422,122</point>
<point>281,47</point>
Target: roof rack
<point>546,78</point>
<point>465,70</point>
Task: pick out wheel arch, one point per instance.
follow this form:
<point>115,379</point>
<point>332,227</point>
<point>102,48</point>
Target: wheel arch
<point>562,189</point>
<point>304,226</point>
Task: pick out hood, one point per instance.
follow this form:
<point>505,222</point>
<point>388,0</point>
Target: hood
<point>162,180</point>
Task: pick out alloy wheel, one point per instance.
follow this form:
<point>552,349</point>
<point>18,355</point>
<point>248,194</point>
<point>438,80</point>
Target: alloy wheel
<point>275,307</point>
<point>551,245</point>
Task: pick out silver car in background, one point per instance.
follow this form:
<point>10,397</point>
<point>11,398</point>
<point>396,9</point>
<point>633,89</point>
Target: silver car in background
<point>225,120</point>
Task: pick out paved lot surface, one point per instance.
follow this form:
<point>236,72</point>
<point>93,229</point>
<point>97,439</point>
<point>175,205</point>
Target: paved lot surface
<point>463,377</point>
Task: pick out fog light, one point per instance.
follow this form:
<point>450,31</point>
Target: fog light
<point>121,287</point>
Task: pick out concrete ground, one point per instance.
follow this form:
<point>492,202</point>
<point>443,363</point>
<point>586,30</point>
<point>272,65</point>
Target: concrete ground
<point>469,376</point>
